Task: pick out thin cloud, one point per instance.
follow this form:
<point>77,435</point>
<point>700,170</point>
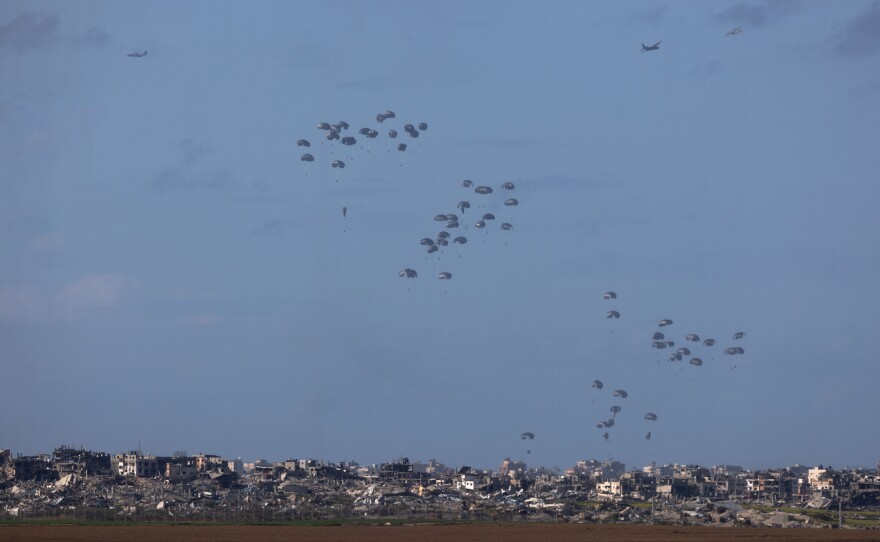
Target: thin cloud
<point>366,83</point>
<point>758,14</point>
<point>78,298</point>
<point>502,143</point>
<point>213,181</point>
<point>708,69</point>
<point>651,16</point>
<point>562,182</point>
<point>307,57</point>
<point>274,226</point>
<point>23,303</point>
<point>199,319</point>
<point>184,175</point>
<point>95,292</point>
<point>192,150</point>
<point>93,37</point>
<point>862,35</point>
<point>46,250</point>
<point>30,30</point>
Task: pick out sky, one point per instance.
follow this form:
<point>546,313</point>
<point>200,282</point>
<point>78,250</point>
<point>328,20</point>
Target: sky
<point>174,277</point>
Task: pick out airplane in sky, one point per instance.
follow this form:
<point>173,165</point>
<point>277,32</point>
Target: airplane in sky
<point>652,47</point>
<point>137,54</point>
<point>734,32</point>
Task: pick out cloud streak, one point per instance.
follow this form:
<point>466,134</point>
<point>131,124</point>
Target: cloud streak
<point>758,14</point>
<point>30,30</point>
<point>76,299</point>
<point>184,175</point>
<point>862,35</point>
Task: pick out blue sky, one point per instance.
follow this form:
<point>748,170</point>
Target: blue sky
<point>172,274</point>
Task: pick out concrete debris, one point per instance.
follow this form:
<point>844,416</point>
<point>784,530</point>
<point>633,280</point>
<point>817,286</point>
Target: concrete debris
<point>206,488</point>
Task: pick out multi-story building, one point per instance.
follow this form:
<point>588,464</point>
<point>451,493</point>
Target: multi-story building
<point>133,463</point>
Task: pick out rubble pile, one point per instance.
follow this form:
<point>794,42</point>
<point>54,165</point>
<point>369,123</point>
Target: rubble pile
<point>133,487</point>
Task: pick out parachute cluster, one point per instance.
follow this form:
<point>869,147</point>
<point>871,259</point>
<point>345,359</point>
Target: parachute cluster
<point>692,348</point>
<point>487,205</point>
<point>615,410</point>
<point>661,341</point>
<point>332,134</point>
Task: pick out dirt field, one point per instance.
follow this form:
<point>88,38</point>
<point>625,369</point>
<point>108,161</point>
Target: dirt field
<point>428,533</point>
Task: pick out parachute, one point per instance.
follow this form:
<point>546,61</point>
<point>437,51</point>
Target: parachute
<point>462,205</point>
<point>483,190</point>
<point>609,295</point>
<point>331,136</point>
<point>658,336</point>
<point>389,114</point>
<point>372,134</point>
<point>426,241</point>
<point>651,417</point>
<point>409,273</point>
<point>392,133</point>
<point>348,140</point>
<point>307,158</point>
<point>413,133</point>
<point>324,126</point>
<point>620,393</point>
<point>380,117</point>
<point>508,186</point>
<point>443,235</point>
<point>460,240</point>
<point>738,335</point>
<point>506,226</point>
<point>408,128</point>
<point>615,409</point>
<point>683,351</point>
<point>338,163</point>
<point>452,224</point>
<point>344,125</point>
<point>692,337</point>
<point>480,224</point>
<point>734,350</point>
<point>364,131</point>
<point>697,362</point>
<point>445,275</point>
<point>432,249</point>
<point>598,384</point>
<point>452,217</point>
<point>659,345</point>
<point>440,218</point>
<point>709,342</point>
<point>401,147</point>
<point>664,323</point>
<point>423,126</point>
<point>527,436</point>
<point>512,202</point>
<point>442,242</point>
<point>488,216</point>
<point>303,143</point>
<point>612,314</point>
<point>466,183</point>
